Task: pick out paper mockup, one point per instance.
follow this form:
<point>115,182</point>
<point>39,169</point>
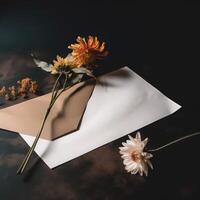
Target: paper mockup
<point>122,102</point>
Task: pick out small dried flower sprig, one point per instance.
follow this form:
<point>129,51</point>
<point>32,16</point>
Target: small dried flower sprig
<point>3,91</point>
<point>135,159</point>
<point>73,68</point>
<point>25,87</point>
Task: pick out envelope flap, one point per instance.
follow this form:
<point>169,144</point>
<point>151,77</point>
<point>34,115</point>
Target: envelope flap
<point>64,117</point>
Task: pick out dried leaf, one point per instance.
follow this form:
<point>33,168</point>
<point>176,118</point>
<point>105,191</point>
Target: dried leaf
<point>83,70</point>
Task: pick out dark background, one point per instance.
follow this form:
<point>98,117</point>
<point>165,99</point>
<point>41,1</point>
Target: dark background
<point>158,41</point>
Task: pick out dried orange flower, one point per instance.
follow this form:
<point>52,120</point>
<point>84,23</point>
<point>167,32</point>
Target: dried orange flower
<point>13,90</point>
<point>34,87</point>
<point>61,64</point>
<point>13,93</point>
<point>3,91</point>
<point>85,53</point>
<point>24,85</point>
<point>7,96</point>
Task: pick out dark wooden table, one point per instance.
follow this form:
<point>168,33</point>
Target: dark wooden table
<point>159,42</point>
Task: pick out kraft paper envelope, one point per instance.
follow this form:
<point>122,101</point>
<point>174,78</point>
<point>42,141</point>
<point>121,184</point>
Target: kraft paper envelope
<point>64,117</point>
<point>121,103</point>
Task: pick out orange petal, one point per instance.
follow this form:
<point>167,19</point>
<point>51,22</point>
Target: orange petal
<point>102,47</point>
<point>81,41</point>
<point>96,43</point>
<point>90,40</point>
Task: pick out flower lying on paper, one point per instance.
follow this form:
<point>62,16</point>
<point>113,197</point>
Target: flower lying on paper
<point>135,159</point>
<point>25,87</point>
<point>75,67</point>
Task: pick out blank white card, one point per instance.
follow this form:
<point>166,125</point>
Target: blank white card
<point>122,102</point>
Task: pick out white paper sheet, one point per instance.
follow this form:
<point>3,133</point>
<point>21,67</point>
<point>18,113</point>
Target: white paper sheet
<point>121,104</point>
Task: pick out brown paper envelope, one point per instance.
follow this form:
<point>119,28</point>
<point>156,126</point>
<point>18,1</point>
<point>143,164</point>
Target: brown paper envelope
<point>64,117</point>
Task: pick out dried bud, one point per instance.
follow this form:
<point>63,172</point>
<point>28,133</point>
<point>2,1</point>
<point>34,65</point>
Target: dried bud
<point>3,91</point>
<point>25,95</point>
<point>7,97</point>
<point>34,87</point>
<point>24,85</point>
<point>13,92</point>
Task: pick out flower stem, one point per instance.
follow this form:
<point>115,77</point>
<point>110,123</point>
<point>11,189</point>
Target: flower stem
<point>175,141</point>
<point>24,163</point>
<point>54,90</point>
<point>65,88</point>
<point>52,101</point>
<point>54,97</point>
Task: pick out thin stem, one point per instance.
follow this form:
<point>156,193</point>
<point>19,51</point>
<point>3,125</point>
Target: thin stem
<point>54,97</point>
<point>28,155</point>
<point>65,88</point>
<point>55,87</point>
<point>25,161</point>
<point>175,141</point>
<point>58,94</point>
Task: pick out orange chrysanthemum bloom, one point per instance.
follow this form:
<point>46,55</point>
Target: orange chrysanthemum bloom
<point>85,53</point>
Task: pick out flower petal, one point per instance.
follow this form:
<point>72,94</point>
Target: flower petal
<point>127,161</point>
<point>138,136</point>
<point>145,141</point>
<point>148,155</point>
<point>150,164</point>
<point>135,171</point>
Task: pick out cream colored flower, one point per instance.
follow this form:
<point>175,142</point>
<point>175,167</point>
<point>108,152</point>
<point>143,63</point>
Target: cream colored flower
<point>135,159</point>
